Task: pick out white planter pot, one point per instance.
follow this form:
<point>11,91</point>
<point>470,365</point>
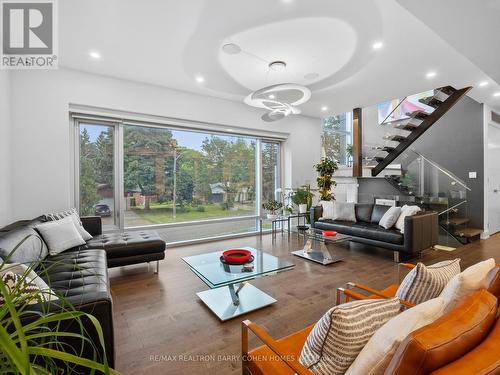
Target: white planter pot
<point>272,216</point>
<point>302,208</point>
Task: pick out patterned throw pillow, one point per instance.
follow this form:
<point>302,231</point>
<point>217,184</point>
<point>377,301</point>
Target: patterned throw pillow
<point>342,332</point>
<point>76,220</point>
<point>25,291</point>
<point>423,282</point>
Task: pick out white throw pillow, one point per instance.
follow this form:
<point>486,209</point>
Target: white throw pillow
<point>406,211</point>
<point>327,210</point>
<point>379,350</point>
<point>60,235</point>
<point>76,219</point>
<point>423,282</point>
<point>344,211</point>
<point>342,332</point>
<point>390,217</point>
<point>469,281</point>
<point>31,277</point>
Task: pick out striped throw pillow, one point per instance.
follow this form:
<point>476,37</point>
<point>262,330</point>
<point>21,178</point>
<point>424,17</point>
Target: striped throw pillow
<point>21,290</point>
<point>338,337</point>
<point>423,282</point>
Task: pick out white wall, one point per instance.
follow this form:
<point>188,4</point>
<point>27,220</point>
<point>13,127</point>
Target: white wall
<point>40,130</point>
<point>5,165</point>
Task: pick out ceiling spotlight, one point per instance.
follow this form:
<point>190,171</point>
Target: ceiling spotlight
<point>199,79</point>
<point>483,83</point>
<point>431,74</point>
<point>377,45</point>
<point>324,108</point>
<point>497,94</point>
<point>95,55</point>
<point>277,65</point>
<point>231,48</point>
<point>229,130</point>
<point>272,96</point>
<point>311,76</point>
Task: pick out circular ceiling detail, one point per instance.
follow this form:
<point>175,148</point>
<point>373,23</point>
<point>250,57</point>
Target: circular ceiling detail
<point>231,48</point>
<point>314,48</point>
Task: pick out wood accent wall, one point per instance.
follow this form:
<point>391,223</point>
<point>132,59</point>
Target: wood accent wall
<point>357,143</point>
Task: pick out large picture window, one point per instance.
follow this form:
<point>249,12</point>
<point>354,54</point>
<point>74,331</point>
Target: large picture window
<point>337,138</point>
<point>185,183</point>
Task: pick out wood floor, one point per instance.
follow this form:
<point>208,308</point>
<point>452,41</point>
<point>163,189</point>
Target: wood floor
<point>162,328</point>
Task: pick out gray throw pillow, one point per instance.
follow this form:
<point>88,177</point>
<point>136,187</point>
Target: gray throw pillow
<point>344,211</point>
<point>60,235</point>
<point>390,217</point>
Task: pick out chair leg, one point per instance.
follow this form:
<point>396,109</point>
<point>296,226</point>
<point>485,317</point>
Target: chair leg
<point>396,256</point>
<point>339,296</point>
<point>157,271</point>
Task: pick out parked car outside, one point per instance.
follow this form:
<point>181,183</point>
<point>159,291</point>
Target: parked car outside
<point>102,210</point>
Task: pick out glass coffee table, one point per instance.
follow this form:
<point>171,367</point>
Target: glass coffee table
<point>231,295</point>
<point>315,246</point>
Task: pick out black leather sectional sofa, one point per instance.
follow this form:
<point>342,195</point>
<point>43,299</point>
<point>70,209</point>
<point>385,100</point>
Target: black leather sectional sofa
<point>421,230</point>
<point>81,274</point>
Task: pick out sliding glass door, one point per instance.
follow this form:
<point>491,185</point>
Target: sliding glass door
<point>186,184</point>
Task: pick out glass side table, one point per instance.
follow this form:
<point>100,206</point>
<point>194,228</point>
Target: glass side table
<point>278,224</point>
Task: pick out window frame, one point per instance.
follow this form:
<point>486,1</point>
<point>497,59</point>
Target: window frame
<point>76,119</point>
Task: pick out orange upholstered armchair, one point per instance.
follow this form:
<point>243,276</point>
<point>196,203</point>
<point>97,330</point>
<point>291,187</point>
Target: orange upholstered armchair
<point>350,293</point>
<point>462,342</point>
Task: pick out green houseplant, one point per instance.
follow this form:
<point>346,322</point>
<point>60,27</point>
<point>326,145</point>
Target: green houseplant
<point>302,197</point>
<point>36,345</point>
<point>326,168</point>
<point>272,206</point>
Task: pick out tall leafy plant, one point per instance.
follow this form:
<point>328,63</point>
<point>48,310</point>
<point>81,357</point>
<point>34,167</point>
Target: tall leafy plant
<point>326,168</point>
<point>33,342</point>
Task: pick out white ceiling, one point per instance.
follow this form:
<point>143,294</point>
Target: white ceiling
<point>171,42</point>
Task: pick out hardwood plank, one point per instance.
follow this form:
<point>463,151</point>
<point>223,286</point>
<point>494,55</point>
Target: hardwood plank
<point>159,315</point>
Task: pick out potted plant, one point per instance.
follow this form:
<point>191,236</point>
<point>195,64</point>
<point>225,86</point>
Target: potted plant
<point>303,198</point>
<point>326,168</point>
<point>32,341</point>
<point>272,206</point>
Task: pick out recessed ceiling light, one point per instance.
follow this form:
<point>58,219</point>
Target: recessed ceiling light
<point>311,76</point>
<point>229,130</point>
<point>497,94</point>
<point>431,74</point>
<point>483,83</point>
<point>377,45</point>
<point>95,55</point>
<point>324,108</point>
<point>272,96</point>
<point>199,79</point>
<point>231,48</point>
<point>277,65</point>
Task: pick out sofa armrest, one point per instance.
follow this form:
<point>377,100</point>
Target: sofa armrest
<point>92,224</point>
<point>420,232</point>
<point>316,213</point>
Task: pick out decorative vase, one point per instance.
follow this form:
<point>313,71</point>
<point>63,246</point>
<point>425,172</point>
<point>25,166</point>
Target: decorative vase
<point>302,208</point>
<point>272,216</point>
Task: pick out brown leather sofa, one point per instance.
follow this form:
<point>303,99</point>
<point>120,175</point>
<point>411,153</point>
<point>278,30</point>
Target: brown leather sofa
<point>464,341</point>
<point>421,230</point>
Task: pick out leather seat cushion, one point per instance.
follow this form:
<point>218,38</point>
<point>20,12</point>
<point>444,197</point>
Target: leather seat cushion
<point>363,212</point>
<point>127,243</point>
<point>80,275</point>
<point>363,230</point>
<point>293,345</point>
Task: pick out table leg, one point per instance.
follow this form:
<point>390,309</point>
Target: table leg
<point>234,294</point>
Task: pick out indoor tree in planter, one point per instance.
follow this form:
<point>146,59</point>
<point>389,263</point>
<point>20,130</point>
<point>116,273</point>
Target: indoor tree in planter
<point>326,168</point>
<point>272,206</point>
<point>33,341</point>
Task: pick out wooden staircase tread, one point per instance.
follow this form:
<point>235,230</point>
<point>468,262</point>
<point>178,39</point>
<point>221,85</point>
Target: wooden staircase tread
<point>457,221</point>
<point>468,232</point>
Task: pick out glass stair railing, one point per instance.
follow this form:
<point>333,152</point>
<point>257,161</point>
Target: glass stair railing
<point>409,119</point>
<point>432,187</point>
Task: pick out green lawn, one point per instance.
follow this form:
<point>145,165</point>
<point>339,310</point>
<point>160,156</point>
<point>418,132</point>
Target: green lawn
<point>161,213</point>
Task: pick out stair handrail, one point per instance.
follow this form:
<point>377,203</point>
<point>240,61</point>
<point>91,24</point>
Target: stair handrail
<point>442,169</point>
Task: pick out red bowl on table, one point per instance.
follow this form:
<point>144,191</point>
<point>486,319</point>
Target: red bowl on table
<point>237,256</point>
<point>329,233</point>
